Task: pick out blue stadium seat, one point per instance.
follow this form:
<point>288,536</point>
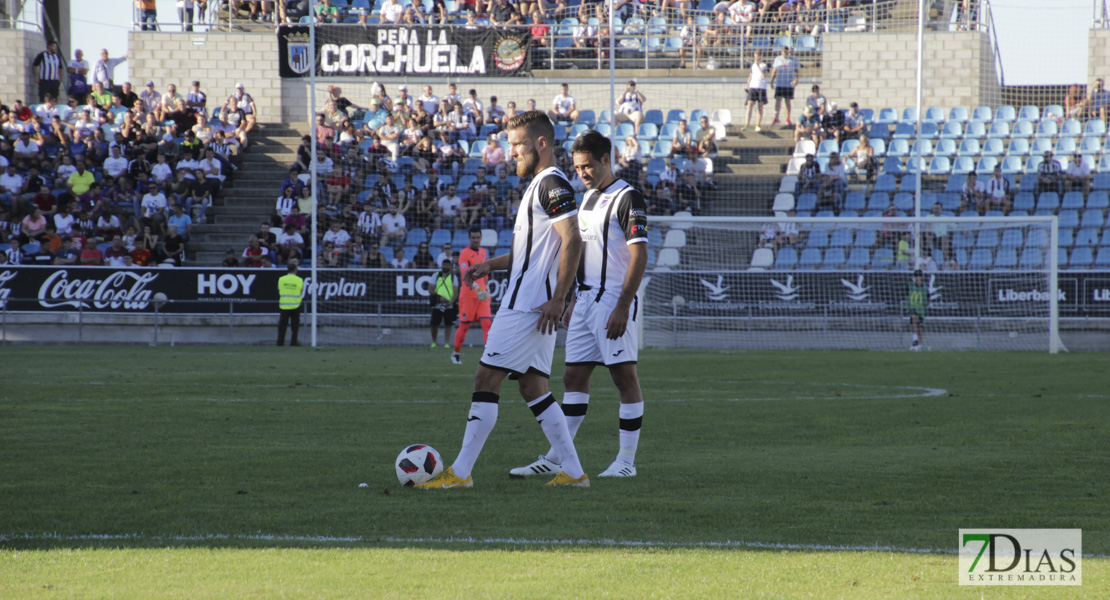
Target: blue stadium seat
<point>834,258</point>
<point>976,130</point>
<point>952,130</point>
<point>916,164</point>
<point>818,238</point>
<point>855,201</point>
<point>880,148</point>
<point>786,258</point>
<point>807,201</point>
<point>922,148</point>
<point>955,183</point>
<point>1006,258</point>
<point>963,165</point>
<point>840,238</point>
<point>859,258</point>
<point>958,114</point>
<point>1095,127</point>
<point>878,131</point>
<point>983,113</point>
<point>904,131</point>
<point>1048,201</point>
<point>1018,147</point>
<point>1105,237</point>
<point>1047,128</point>
<point>1030,112</point>
<point>988,238</point>
<point>886,183</point>
<point>1090,146</point>
<point>1081,258</point>
<point>1072,201</point>
<point>1067,218</point>
<point>993,147</point>
<point>909,115</point>
<point>898,148</point>
<point>1032,165</point>
<point>1065,147</point>
<point>970,147</point>
<point>648,132</point>
<point>999,129</point>
<point>940,165</point>
<point>1102,259</point>
<point>624,130</point>
<point>893,166</point>
<point>878,201</point>
<point>1005,114</point>
<point>654,116</point>
<point>1011,165</point>
<point>826,148</point>
<point>1023,128</point>
<point>866,238</point>
<point>945,147</point>
<point>1012,238</point>
<point>666,132</point>
<point>986,165</point>
<point>811,258</point>
<point>662,149</point>
<point>1062,258</point>
<point>416,237</point>
<point>1092,217</point>
<point>934,114</point>
<point>586,117</point>
<point>1031,258</point>
<point>1071,128</point>
<point>440,237</point>
<point>887,116</point>
<point>883,258</point>
<point>505,237</point>
<point>1099,200</point>
<point>981,260</point>
<point>963,239</point>
<point>1037,238</point>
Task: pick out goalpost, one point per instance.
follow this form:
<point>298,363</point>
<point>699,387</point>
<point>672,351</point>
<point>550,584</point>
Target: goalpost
<point>843,283</point>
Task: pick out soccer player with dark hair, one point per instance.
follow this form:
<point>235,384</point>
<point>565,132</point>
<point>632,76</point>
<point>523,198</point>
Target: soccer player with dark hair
<point>602,318</point>
<point>545,252</point>
<point>916,301</point>
<point>473,299</point>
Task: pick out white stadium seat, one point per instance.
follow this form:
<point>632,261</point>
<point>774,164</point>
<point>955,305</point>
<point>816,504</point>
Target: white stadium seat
<point>668,257</point>
<point>676,238</point>
<point>762,259</point>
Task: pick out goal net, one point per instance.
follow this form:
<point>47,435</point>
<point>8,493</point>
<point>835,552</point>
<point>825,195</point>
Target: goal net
<point>844,283</point>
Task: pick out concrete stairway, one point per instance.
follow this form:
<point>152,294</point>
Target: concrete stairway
<point>249,199</point>
<point>748,170</point>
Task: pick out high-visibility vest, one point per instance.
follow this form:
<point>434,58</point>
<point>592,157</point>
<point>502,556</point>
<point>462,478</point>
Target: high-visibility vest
<point>289,292</point>
<point>445,287</point>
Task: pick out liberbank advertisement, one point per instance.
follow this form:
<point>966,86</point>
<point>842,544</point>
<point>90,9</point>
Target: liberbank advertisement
<point>355,51</point>
<point>742,294</point>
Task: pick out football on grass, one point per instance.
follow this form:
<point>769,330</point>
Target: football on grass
<point>418,463</point>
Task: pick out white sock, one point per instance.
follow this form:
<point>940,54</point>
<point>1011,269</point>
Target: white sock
<point>915,340</point>
<point>479,424</point>
<point>630,417</point>
<point>574,408</point>
<point>554,424</point>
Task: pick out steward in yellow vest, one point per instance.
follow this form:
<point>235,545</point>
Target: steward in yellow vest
<point>290,290</point>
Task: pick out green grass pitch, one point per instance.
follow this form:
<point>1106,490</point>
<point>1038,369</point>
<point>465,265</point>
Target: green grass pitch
<point>210,472</point>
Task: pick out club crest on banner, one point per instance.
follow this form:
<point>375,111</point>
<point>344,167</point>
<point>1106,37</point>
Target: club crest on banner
<point>509,53</point>
<point>297,52</point>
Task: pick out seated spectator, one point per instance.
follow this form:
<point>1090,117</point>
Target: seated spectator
<point>707,137</point>
<point>630,106</point>
<point>449,205</point>
<point>809,126</point>
<point>864,157</point>
<point>493,155</point>
<point>832,123</point>
<point>230,260</point>
<point>290,244</point>
<point>809,176</point>
<point>114,255</point>
<point>461,124</point>
<point>817,102</point>
<point>786,232</point>
<point>67,254</point>
<point>682,143</point>
<point>1050,176</point>
<point>973,192</point>
<point>399,261</point>
<point>997,193</point>
<point>451,156</point>
<point>245,102</point>
<point>153,207</point>
<point>423,259</point>
<point>473,108</point>
<point>853,124</point>
<point>253,253</point>
<point>563,107</point>
<point>181,221</point>
<point>373,257</point>
<point>630,161</point>
<point>939,234</point>
<point>91,256</point>
<point>108,225</point>
<point>834,183</point>
<point>173,247</point>
<point>1078,175</point>
<point>394,227</point>
<point>390,135</point>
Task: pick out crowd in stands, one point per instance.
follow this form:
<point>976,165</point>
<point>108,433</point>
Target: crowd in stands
<point>394,172</point>
<point>1010,162</point>
<point>114,168</point>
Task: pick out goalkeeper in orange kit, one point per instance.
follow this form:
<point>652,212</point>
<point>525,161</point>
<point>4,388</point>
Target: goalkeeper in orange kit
<point>473,302</point>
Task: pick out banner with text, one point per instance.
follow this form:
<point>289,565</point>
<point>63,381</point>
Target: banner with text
<point>352,51</point>
<point>217,290</point>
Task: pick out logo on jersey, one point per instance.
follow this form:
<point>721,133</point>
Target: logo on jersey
<point>634,213</point>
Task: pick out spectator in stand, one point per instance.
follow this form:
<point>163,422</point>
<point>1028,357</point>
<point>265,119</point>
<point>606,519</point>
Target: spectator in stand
<point>493,155</point>
<point>449,205</point>
<point>373,258</point>
<point>153,207</point>
<point>290,244</point>
<point>631,161</point>
<point>230,260</point>
<point>78,70</point>
<point>630,106</point>
<point>473,108</point>
<point>757,91</point>
<point>539,31</point>
<point>682,143</point>
<point>91,256</point>
<point>688,35</point>
<point>326,13</point>
<point>809,176</point>
<point>461,124</point>
<point>563,107</point>
<point>399,261</point>
<point>245,103</point>
<point>832,124</point>
<point>809,126</point>
<point>391,12</point>
<point>973,192</point>
<point>108,224</point>
<point>834,183</point>
<point>47,69</point>
<point>1099,100</point>
<point>12,188</point>
<point>173,246</point>
<point>116,165</point>
<point>938,235</point>
<point>103,71</point>
<point>997,193</point>
<point>784,76</point>
<point>853,124</point>
<point>707,137</point>
<point>114,255</point>
<point>1078,175</point>
<point>863,156</point>
<point>817,102</point>
<point>14,254</point>
<point>787,232</point>
<point>390,135</point>
<point>453,97</point>
<point>394,227</point>
<point>67,254</point>
<point>253,253</point>
<point>180,221</point>
<point>81,180</point>
<point>429,101</point>
<point>1049,176</point>
<point>501,13</point>
<point>422,259</point>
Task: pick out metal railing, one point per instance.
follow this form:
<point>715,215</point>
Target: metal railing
<point>27,16</point>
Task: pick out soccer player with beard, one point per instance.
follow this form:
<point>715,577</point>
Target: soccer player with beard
<point>602,318</point>
<point>545,253</point>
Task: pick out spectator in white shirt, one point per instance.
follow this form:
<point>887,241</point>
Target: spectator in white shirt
<point>11,187</point>
<point>391,11</point>
<point>104,70</point>
<point>394,227</point>
<point>399,261</point>
<point>63,221</point>
<point>972,193</point>
<point>1078,175</point>
<point>834,181</point>
<point>337,236</point>
<point>153,207</point>
<point>25,148</point>
<point>162,171</point>
<point>473,107</point>
<point>448,206</point>
<point>563,107</point>
<point>997,193</point>
<point>429,100</point>
<point>116,165</point>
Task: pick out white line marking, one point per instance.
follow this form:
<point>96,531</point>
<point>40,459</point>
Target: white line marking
<point>602,542</point>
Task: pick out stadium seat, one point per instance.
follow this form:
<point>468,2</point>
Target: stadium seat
<point>785,258</point>
<point>586,117</point>
<point>955,183</point>
<point>762,258</point>
<point>416,237</point>
<point>934,114</point>
<point>1018,147</point>
<point>1072,201</point>
<point>1023,128</point>
<point>999,129</point>
<point>840,238</point>
<point>980,260</point>
<point>1037,238</point>
<point>827,148</point>
<point>921,148</point>
<point>666,132</point>
<point>859,258</point>
<point>970,147</point>
<point>789,183</point>
<point>880,147</point>
<point>1092,217</point>
<point>945,148</point>
<point>1090,146</point>
<point>886,183</point>
<point>1065,147</point>
<point>783,202</point>
<point>1081,258</point>
<point>1031,258</point>
<point>810,258</point>
<point>983,113</point>
<point>893,166</point>
<point>489,238</point>
<point>878,131</point>
<point>1067,218</point>
<point>805,147</point>
<point>1071,128</point>
<point>958,114</point>
<point>1012,238</point>
<point>654,116</point>
<point>1006,258</point>
<point>1048,201</point>
<point>834,258</point>
<point>1095,127</point>
<point>1099,200</point>
<point>883,258</point>
<point>898,148</point>
<point>987,238</point>
<point>1102,259</point>
<point>940,165</point>
<point>993,147</point>
<point>668,257</point>
<point>915,164</point>
<point>676,238</point>
<point>807,202</point>
<point>723,115</point>
<point>1104,163</point>
<point>866,238</point>
<point>903,201</point>
<point>904,131</point>
<point>1105,237</point>
<point>952,130</point>
<point>443,236</point>
<point>1030,112</point>
<point>662,149</point>
<point>1045,129</point>
<point>854,201</point>
<point>963,165</point>
<point>1011,165</point>
<point>1032,165</point>
<point>1005,114</point>
<point>877,201</point>
<point>985,166</point>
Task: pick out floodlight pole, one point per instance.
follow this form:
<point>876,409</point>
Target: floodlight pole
<point>312,167</point>
<point>612,84</point>
<point>916,156</point>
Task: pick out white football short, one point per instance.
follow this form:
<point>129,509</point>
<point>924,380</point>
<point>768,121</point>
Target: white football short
<point>515,345</point>
<point>586,339</point>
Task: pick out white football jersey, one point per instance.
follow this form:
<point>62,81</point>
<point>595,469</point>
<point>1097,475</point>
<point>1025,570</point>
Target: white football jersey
<point>536,244</point>
<point>610,221</point>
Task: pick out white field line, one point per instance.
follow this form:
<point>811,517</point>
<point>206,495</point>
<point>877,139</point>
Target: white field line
<point>512,541</point>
